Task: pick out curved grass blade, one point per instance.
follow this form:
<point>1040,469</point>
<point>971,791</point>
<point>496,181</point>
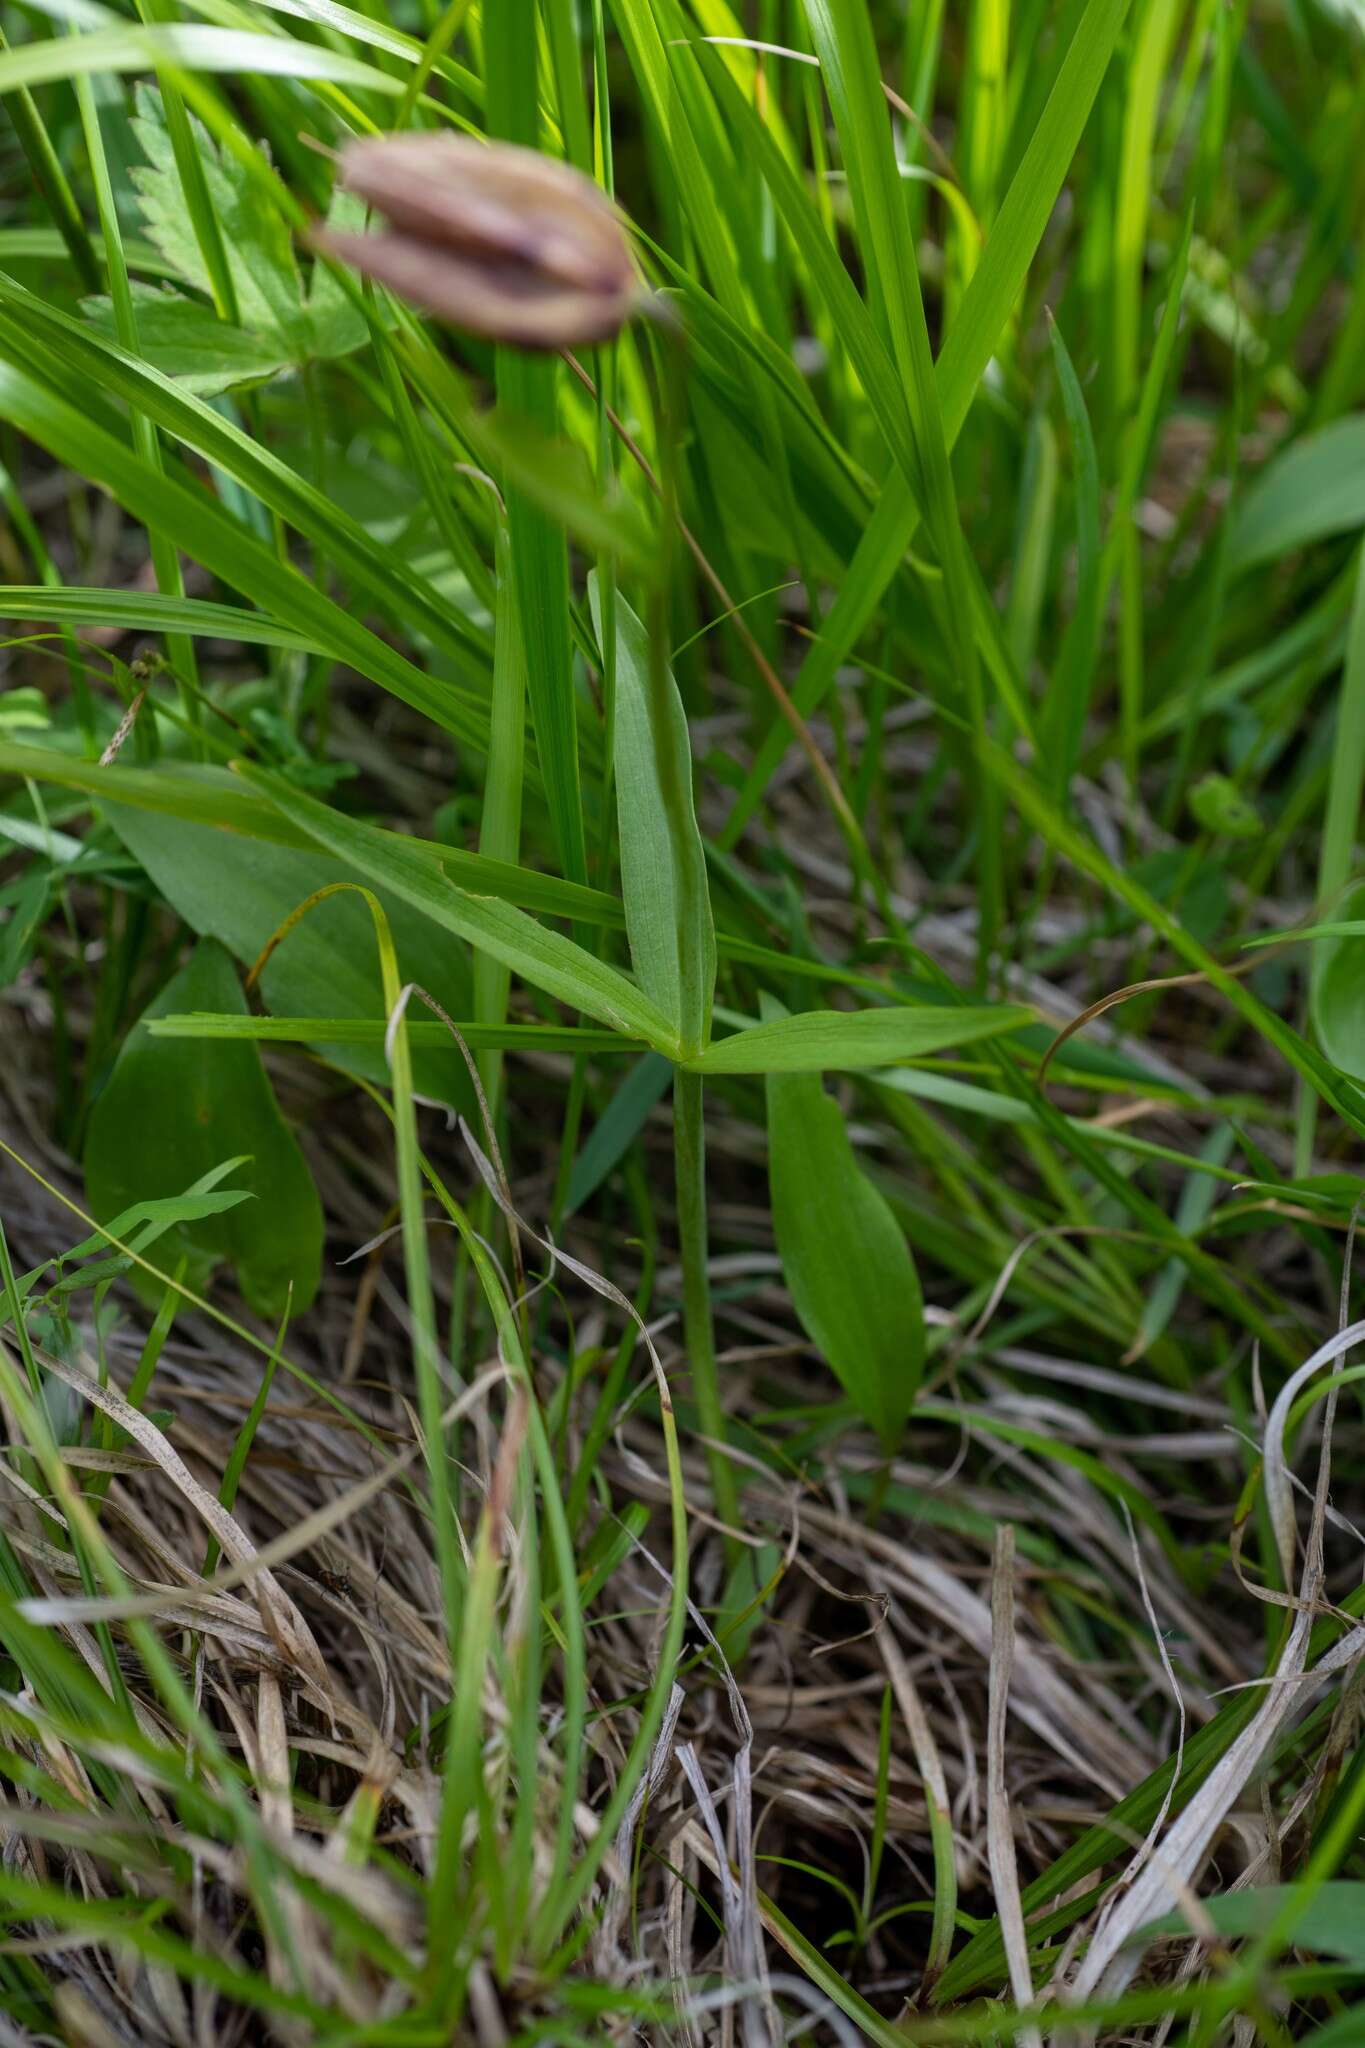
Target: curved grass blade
<point>215,796</point>
<point>207,533</point>
<point>972,339</point>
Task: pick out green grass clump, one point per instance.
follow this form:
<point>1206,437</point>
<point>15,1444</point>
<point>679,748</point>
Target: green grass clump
<point>683,1061</point>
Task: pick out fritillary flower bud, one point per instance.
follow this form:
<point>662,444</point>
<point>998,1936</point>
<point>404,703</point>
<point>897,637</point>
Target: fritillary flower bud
<point>497,240</point>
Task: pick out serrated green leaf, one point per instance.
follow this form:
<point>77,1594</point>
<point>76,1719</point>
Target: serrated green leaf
<point>185,339</point>
<point>259,250</point>
<point>333,322</point>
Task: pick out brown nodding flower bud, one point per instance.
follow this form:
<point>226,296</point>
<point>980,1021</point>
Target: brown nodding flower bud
<point>498,240</point>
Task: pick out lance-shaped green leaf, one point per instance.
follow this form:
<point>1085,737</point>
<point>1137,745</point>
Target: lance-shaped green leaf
<point>1315,488</point>
<point>546,959</point>
<point>1329,1918</point>
<point>663,864</point>
<point>847,1265</point>
<point>819,1040</point>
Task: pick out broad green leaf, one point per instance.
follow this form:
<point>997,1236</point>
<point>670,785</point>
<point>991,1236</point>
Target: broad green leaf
<point>186,340</point>
<point>1332,1922</point>
<point>240,892</point>
<point>820,1040</point>
<point>1313,490</point>
<point>847,1264</point>
<point>663,863</point>
<point>173,1110</point>
<point>544,958</point>
<point>256,240</point>
<point>1338,989</point>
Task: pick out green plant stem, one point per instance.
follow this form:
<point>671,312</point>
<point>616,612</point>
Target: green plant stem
<point>689,1166</point>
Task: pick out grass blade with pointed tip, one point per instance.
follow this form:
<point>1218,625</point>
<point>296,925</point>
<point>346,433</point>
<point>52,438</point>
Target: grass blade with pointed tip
<point>663,863</point>
<point>150,611</point>
<point>818,1041</point>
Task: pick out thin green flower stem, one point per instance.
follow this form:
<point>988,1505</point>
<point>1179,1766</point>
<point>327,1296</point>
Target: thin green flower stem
<point>689,1167</point>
